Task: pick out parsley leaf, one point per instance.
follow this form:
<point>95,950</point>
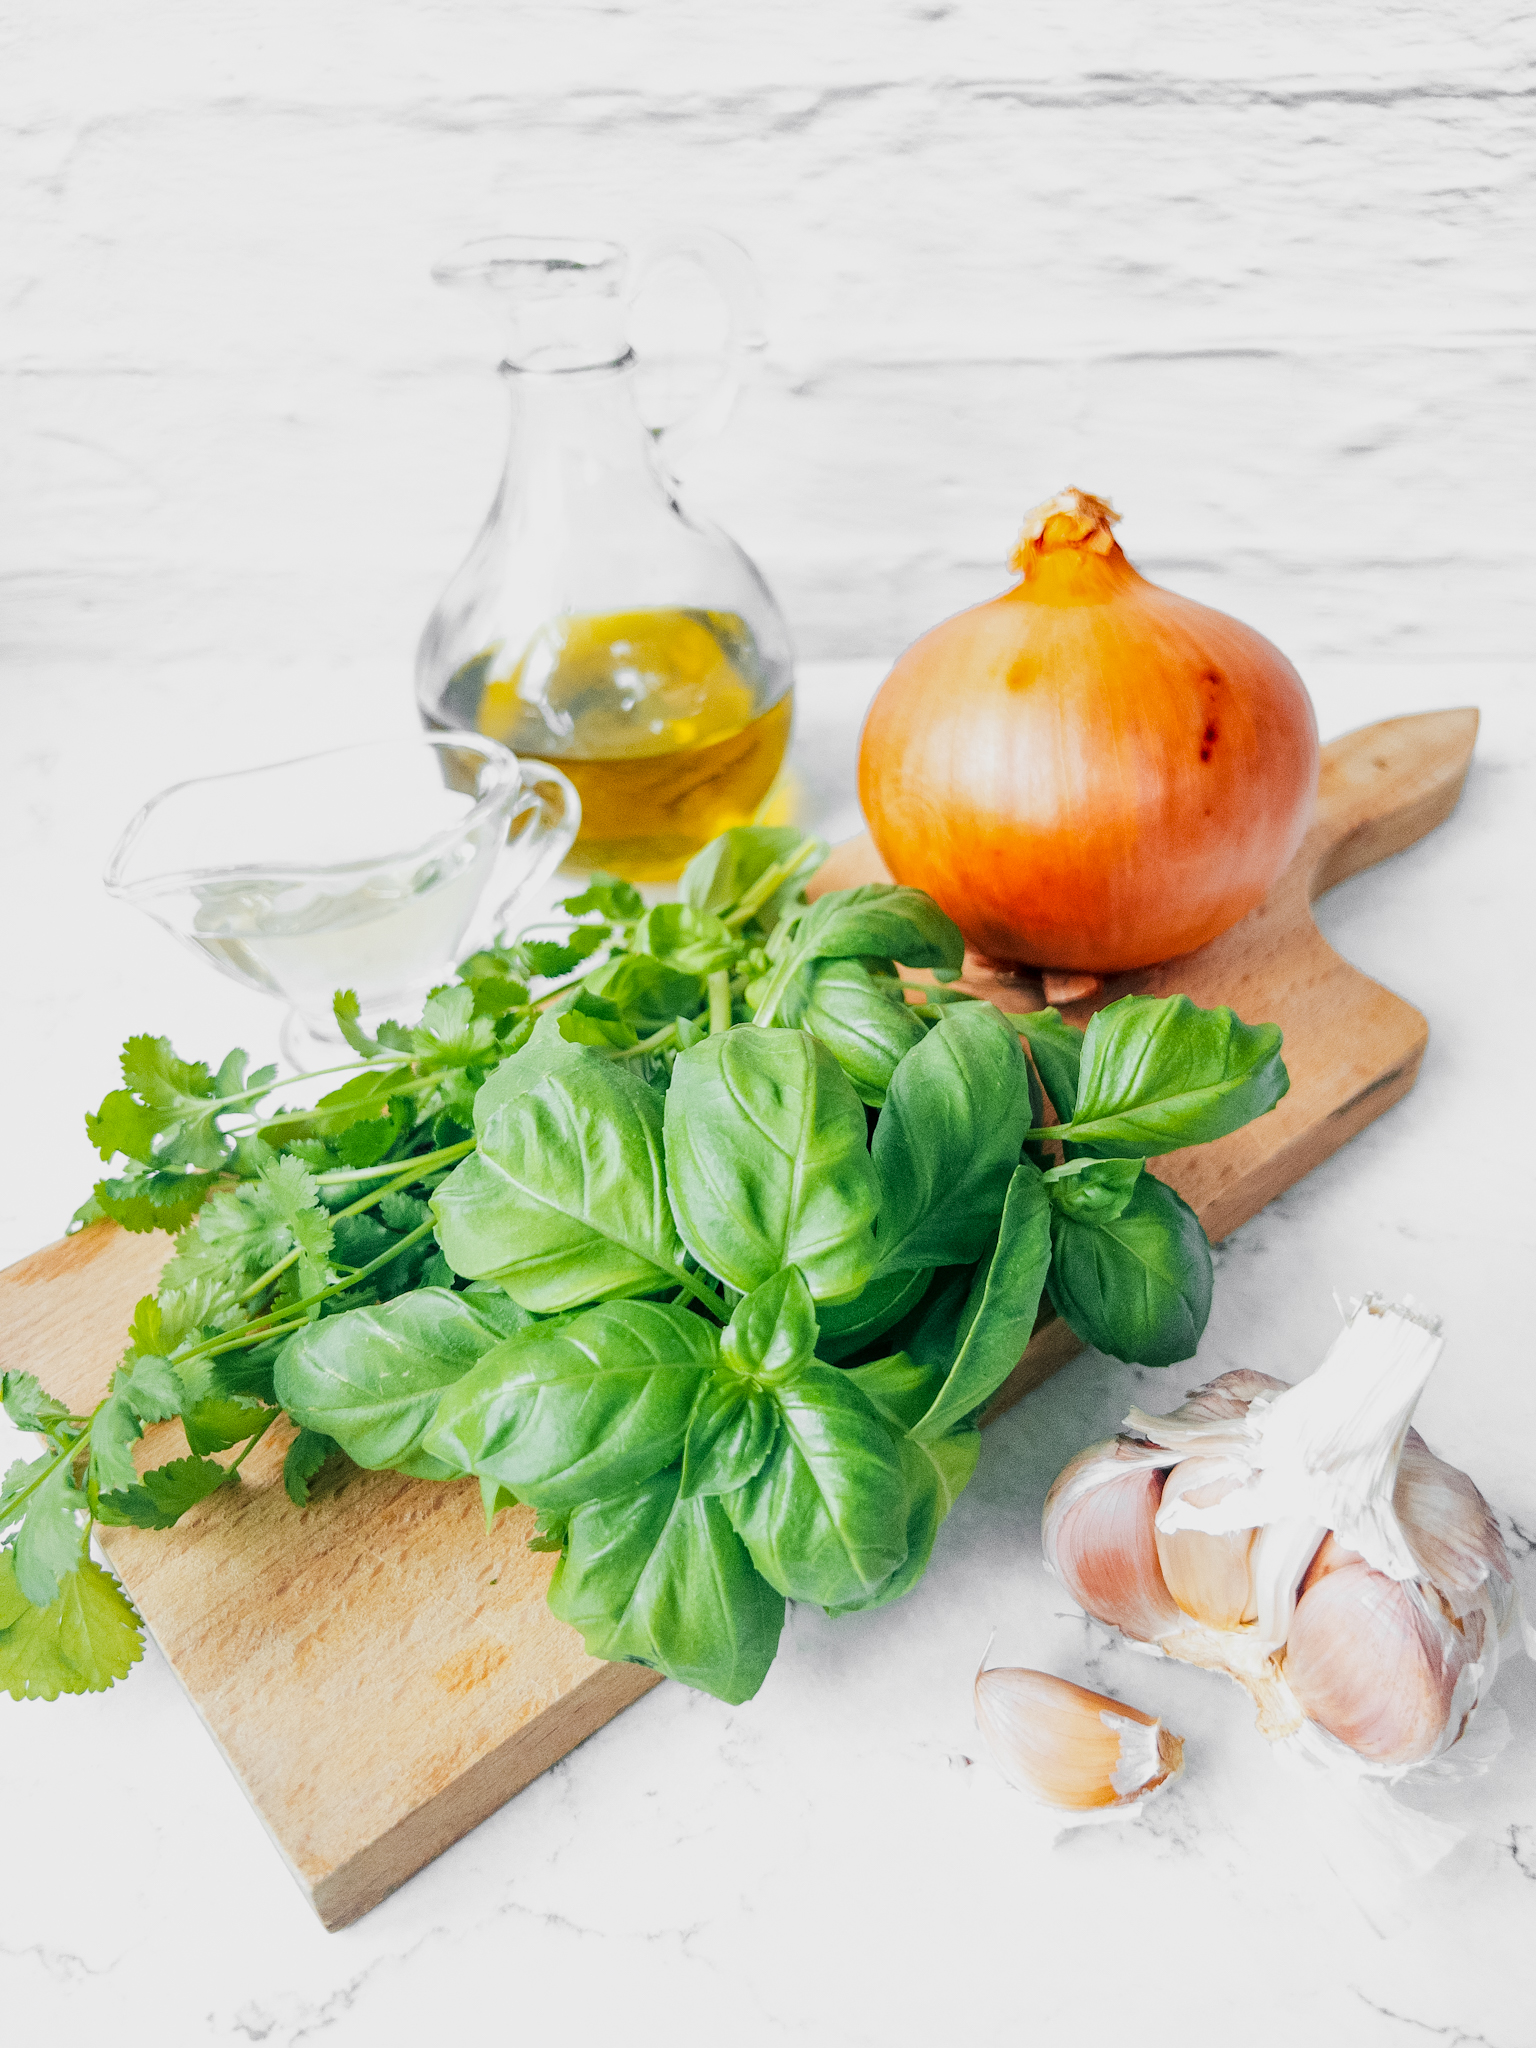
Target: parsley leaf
<point>114,1432</point>
<point>607,896</point>
<point>309,1450</point>
<point>51,1541</point>
<point>152,1201</point>
<point>19,1476</point>
<point>163,1495</point>
<point>123,1124</point>
<point>181,1098</point>
<point>82,1641</point>
<point>450,1034</point>
<point>152,1388</point>
<point>244,1231</point>
<point>27,1404</point>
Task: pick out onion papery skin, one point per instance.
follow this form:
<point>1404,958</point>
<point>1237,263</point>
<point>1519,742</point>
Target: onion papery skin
<point>1089,772</point>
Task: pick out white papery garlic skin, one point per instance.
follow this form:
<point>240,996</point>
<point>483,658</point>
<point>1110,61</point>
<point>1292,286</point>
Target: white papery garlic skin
<point>1070,1748</point>
<point>1305,1541</point>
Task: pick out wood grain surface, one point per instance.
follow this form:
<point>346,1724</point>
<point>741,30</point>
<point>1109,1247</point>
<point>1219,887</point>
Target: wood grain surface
<point>379,1671</point>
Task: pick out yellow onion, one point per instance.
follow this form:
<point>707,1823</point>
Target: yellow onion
<point>1089,772</point>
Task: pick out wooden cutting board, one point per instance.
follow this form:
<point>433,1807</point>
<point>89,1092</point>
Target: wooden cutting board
<point>379,1672</point>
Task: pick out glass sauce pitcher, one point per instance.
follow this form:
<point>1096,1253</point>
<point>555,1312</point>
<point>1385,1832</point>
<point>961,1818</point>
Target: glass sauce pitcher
<point>596,624</point>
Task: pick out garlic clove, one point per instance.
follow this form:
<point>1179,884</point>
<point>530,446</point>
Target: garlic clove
<point>1207,1575</point>
<point>1102,1545</point>
<point>1455,1541</point>
<point>1228,1397</point>
<point>1331,1556</point>
<point>1069,1747</point>
<point>1282,1555</point>
<point>1372,1662</point>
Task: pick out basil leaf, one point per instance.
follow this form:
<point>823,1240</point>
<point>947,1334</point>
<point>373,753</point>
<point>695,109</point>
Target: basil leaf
<point>899,1387</point>
<point>866,1031</point>
<point>1000,1309</point>
<point>772,1331</point>
<point>1138,1288</point>
<point>594,1020</point>
<point>767,1162</point>
<point>930,1332</point>
<point>1094,1190</point>
<point>371,1379</point>
<point>649,993</point>
<point>878,921</point>
<point>882,920</point>
<point>693,941</point>
<point>936,1475</point>
<point>544,1052</point>
<point>825,1518</point>
<point>565,1202</point>
<point>948,1140</point>
<point>718,878</point>
<point>1159,1073</point>
<point>847,1327</point>
<point>1057,1050</point>
<point>562,1414</point>
<point>730,1434</point>
<point>651,1578</point>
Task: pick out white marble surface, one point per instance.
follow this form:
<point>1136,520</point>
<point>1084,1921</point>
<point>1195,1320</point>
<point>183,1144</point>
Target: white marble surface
<point>835,1863</point>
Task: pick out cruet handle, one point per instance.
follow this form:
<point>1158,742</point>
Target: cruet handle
<point>549,803</point>
<point>732,273</point>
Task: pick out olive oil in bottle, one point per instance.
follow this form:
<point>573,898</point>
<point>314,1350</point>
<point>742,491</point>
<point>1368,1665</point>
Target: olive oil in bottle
<point>597,623</point>
<point>669,722</point>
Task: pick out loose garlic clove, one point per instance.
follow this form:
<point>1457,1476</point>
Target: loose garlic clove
<point>1069,1747</point>
<point>1100,1540</point>
<point>1209,1576</point>
<point>1373,1664</point>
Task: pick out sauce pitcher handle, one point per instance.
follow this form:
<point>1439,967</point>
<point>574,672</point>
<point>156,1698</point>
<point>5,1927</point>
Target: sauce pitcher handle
<point>552,809</point>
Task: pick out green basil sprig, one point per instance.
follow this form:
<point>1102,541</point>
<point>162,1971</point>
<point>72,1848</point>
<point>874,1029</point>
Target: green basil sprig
<point>694,1229</point>
<point>1156,1073</point>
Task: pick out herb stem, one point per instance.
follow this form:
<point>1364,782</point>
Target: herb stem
<point>768,882</point>
<point>665,1036</point>
<point>250,1444</point>
<point>413,1169</point>
<point>27,1491</point>
<point>423,1163</point>
<point>719,986</point>
<point>260,1326</point>
<point>704,1296</point>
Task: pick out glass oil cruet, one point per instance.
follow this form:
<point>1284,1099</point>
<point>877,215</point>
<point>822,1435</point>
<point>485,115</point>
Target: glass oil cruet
<point>596,623</point>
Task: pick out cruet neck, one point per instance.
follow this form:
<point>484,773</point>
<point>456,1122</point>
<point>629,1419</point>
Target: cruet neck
<point>587,416</point>
<point>556,305</point>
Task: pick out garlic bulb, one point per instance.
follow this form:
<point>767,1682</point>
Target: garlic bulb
<point>1305,1541</point>
<point>1069,1747</point>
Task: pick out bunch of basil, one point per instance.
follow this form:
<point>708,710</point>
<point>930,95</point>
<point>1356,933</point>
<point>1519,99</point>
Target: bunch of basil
<point>751,1239</point>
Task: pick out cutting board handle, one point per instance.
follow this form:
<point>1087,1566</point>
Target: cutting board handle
<point>1381,789</point>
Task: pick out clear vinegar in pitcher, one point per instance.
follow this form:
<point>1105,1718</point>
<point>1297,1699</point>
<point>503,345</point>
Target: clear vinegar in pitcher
<point>657,717</point>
